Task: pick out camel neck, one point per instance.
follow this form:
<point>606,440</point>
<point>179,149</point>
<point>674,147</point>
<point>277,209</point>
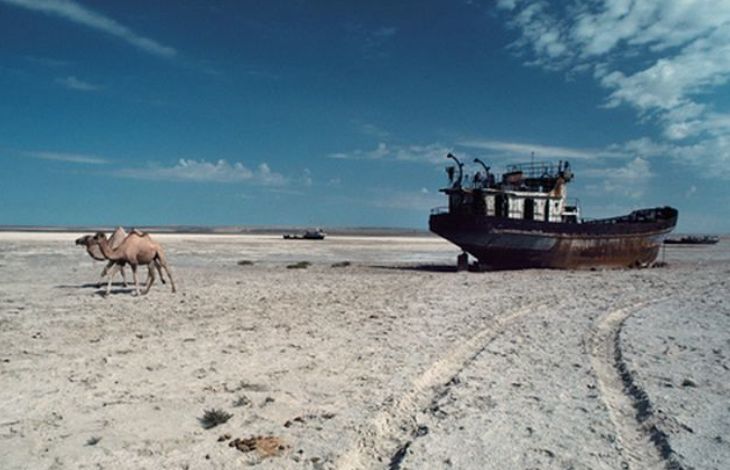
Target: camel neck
<point>107,251</point>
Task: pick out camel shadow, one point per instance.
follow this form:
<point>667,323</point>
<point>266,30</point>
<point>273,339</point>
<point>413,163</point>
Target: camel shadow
<point>88,285</point>
<point>126,290</point>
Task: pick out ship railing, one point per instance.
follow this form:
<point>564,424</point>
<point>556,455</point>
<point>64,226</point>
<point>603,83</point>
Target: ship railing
<point>534,169</point>
<point>440,210</point>
<point>572,204</point>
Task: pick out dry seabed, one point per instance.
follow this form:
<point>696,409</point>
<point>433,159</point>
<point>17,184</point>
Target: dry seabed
<point>372,365</point>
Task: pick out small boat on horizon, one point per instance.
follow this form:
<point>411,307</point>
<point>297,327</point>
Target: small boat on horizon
<point>524,220</point>
<point>316,234</point>
<point>693,240</point>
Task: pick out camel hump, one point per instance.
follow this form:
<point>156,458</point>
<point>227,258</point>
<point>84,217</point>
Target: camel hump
<point>139,233</point>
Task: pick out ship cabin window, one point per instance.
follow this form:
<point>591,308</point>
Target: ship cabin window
<point>489,202</point>
<point>529,208</point>
<point>552,211</point>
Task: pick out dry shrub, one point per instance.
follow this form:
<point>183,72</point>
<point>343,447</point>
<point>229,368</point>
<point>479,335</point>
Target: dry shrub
<point>213,417</point>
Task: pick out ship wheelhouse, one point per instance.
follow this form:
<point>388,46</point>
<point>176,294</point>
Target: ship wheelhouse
<point>532,191</point>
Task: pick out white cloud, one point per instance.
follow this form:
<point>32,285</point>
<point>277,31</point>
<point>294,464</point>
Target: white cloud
<point>306,177</point>
<point>69,157</point>
<point>73,11</point>
<point>406,200</point>
<point>629,180</point>
<point>524,150</point>
<point>371,130</point>
<point>693,153</point>
<point>205,171</point>
<point>429,153</point>
<point>379,152</point>
<point>74,83</point>
<point>664,59</point>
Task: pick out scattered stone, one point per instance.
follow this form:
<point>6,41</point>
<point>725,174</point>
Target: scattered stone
<point>688,383</point>
<point>265,446</point>
<point>224,437</point>
<point>298,419</point>
<point>242,401</point>
<point>299,265</point>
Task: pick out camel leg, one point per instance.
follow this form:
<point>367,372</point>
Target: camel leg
<point>150,278</point>
<point>159,270</point>
<point>134,275</point>
<point>167,270</point>
<point>124,278</point>
<point>106,272</point>
<point>111,276</point>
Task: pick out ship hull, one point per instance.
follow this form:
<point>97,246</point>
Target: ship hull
<point>502,243</point>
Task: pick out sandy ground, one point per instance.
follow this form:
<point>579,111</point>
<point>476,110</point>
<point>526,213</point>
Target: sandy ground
<point>391,362</point>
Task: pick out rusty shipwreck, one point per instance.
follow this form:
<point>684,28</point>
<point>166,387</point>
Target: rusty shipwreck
<point>524,220</point>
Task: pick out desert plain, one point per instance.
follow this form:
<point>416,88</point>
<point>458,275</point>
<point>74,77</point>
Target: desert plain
<point>376,354</point>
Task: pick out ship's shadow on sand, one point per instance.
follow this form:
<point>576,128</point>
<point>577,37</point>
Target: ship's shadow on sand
<point>437,268</point>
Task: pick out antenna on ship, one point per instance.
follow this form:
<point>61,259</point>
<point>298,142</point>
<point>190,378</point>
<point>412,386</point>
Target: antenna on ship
<point>486,170</point>
<point>532,161</point>
<point>460,166</point>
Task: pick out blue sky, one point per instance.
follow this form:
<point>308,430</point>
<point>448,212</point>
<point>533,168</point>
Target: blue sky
<point>341,113</point>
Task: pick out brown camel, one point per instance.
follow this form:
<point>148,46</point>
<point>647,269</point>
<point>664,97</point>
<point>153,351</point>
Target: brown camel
<point>94,251</point>
<point>136,249</point>
<point>92,248</point>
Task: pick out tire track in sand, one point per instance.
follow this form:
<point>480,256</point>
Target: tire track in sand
<point>385,440</point>
<point>644,444</point>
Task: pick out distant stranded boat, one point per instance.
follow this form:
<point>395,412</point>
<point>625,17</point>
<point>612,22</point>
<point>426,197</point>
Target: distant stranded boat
<point>692,240</point>
<point>524,220</point>
<point>316,234</point>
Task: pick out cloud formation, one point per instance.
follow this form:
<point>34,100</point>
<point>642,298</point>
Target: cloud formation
<point>204,171</point>
<point>419,201</point>
<point>524,150</point>
<point>77,13</point>
<point>428,153</point>
<point>69,157</point>
<point>73,83</point>
<point>661,58</point>
<point>629,180</point>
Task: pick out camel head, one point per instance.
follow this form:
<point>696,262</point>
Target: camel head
<point>85,240</point>
<point>98,237</point>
